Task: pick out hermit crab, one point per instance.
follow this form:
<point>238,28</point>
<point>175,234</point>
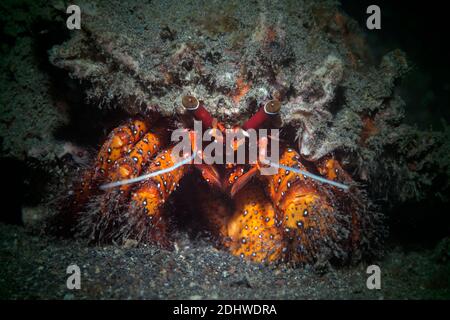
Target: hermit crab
<point>300,213</point>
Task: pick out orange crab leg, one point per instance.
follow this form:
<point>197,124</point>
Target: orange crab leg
<point>149,197</point>
<point>161,179</point>
<point>331,169</point>
<point>248,228</point>
<point>306,216</point>
<point>156,190</point>
<point>305,208</point>
<point>119,141</point>
<point>252,229</point>
<point>130,165</point>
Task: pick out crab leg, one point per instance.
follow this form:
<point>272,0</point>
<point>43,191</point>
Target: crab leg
<point>306,209</point>
<point>148,198</point>
<point>248,228</point>
<point>152,193</point>
<point>252,229</point>
<point>116,146</point>
<point>352,202</point>
<point>131,165</point>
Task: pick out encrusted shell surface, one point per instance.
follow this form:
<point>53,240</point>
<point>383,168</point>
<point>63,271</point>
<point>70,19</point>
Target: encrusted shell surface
<point>232,55</point>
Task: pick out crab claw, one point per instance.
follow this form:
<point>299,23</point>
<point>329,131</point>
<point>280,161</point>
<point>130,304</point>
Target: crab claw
<point>243,180</point>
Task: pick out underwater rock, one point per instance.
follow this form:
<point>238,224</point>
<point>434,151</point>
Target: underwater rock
<point>442,251</point>
<point>29,116</point>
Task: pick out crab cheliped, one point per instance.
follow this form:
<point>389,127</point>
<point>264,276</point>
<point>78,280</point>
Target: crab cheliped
<point>300,214</point>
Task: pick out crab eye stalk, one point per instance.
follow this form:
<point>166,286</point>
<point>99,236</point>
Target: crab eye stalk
<point>200,113</point>
<point>268,110</point>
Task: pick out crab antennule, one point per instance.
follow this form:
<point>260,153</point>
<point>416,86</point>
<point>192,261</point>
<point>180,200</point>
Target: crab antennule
<point>198,109</point>
<point>264,113</point>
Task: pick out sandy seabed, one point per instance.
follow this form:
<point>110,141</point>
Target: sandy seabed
<point>34,267</point>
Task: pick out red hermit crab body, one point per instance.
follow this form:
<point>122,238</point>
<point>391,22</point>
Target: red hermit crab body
<point>300,214</point>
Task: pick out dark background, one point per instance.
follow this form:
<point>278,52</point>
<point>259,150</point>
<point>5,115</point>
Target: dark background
<point>421,30</point>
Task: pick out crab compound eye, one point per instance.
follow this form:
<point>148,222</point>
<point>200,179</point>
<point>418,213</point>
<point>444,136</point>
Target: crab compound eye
<point>190,102</point>
<point>272,107</point>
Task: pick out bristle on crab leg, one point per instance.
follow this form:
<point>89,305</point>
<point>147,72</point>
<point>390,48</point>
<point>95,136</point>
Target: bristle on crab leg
<point>148,175</point>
